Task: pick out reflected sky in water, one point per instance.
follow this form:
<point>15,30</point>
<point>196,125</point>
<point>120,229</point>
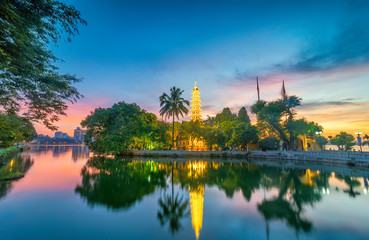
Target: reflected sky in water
<point>67,194</point>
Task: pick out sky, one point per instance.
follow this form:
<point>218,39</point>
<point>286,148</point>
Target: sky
<point>133,51</point>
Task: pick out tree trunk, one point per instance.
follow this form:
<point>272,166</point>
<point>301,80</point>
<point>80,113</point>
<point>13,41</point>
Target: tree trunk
<point>173,133</point>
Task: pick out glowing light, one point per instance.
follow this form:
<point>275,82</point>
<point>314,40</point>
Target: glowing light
<point>195,104</point>
<point>197,207</point>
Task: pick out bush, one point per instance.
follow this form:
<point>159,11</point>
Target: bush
<point>269,143</point>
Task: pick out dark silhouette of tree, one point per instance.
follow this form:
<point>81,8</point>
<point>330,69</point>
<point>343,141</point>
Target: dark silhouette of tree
<point>290,209</point>
<point>30,81</point>
<point>172,210</point>
<point>173,105</point>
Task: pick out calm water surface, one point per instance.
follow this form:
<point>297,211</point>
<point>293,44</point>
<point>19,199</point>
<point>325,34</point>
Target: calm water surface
<point>68,194</point>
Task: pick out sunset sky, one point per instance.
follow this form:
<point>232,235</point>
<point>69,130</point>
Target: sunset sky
<point>135,50</point>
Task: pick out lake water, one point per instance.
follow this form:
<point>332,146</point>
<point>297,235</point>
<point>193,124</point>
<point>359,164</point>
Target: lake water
<point>68,194</point>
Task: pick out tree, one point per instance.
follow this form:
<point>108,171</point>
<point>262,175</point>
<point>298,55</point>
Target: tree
<point>279,115</point>
<point>30,81</point>
<point>191,130</point>
<point>343,141</point>
<point>243,116</point>
<point>210,121</point>
<point>227,127</point>
<point>367,140</point>
<point>173,105</point>
<point>113,130</point>
<point>225,115</point>
<point>243,134</point>
<point>321,141</point>
<point>269,143</point>
<point>14,129</point>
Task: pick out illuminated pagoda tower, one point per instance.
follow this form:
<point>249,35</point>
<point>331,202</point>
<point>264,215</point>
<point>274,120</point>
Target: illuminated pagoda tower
<point>195,104</point>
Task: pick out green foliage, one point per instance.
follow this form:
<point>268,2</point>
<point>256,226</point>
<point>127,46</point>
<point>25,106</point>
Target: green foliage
<point>119,183</point>
<point>278,117</point>
<point>173,105</point>
<point>244,134</point>
<point>29,79</point>
<point>243,116</point>
<point>210,121</point>
<point>321,141</point>
<point>214,136</point>
<point>14,129</point>
<point>367,140</point>
<point>122,127</point>
<point>191,130</point>
<point>225,115</point>
<point>227,127</point>
<point>343,141</point>
<point>269,143</point>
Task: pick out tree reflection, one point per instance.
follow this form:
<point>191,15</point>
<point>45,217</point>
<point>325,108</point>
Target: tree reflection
<point>119,183</point>
<point>292,197</point>
<point>19,164</point>
<point>172,209</point>
<point>351,183</point>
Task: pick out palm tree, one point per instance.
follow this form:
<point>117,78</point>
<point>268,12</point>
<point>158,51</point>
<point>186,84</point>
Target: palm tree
<point>173,105</point>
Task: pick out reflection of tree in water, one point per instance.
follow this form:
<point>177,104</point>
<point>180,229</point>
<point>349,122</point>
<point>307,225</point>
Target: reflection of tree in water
<point>352,183</point>
<point>172,209</point>
<point>292,197</point>
<point>19,164</point>
<point>118,184</point>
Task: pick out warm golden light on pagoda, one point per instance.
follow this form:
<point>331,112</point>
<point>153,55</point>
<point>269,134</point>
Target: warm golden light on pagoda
<point>197,205</point>
<point>195,104</point>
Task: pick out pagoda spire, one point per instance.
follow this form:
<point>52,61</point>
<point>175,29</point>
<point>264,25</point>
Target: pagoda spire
<point>195,104</point>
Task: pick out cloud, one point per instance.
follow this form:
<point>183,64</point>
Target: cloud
<point>347,102</point>
<point>347,47</point>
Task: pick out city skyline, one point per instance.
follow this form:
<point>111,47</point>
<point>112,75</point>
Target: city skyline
<point>133,53</point>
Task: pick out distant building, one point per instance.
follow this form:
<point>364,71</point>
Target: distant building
<point>66,136</point>
<point>79,134</point>
<point>58,135</point>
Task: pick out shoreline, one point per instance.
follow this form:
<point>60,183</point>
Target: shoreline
<point>335,158</point>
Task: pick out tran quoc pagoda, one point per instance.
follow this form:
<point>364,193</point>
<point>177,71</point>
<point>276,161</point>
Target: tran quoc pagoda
<point>193,144</point>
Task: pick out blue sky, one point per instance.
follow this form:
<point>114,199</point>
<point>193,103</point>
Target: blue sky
<point>135,50</point>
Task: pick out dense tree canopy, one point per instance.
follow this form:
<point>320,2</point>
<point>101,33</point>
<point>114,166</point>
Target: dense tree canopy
<point>343,141</point>
<point>243,116</point>
<point>225,115</point>
<point>15,129</point>
<point>278,117</point>
<point>123,127</point>
<point>29,80</point>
